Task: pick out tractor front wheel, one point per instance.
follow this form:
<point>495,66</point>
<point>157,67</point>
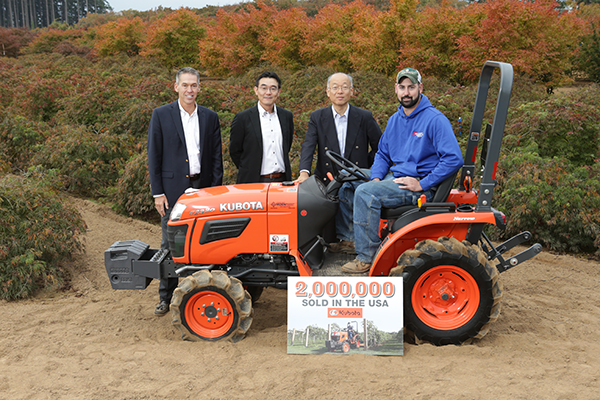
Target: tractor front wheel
<point>451,292</point>
<point>211,306</point>
<point>346,347</point>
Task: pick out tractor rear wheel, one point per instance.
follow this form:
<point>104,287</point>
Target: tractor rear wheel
<point>451,291</point>
<point>211,306</point>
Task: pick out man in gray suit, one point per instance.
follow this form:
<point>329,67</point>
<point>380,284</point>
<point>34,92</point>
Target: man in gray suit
<point>261,136</point>
<point>342,128</point>
<point>184,150</point>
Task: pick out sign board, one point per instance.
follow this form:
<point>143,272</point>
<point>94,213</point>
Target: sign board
<point>345,315</point>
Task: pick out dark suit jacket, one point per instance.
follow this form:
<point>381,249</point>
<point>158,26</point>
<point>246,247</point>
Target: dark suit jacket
<point>167,153</point>
<point>246,144</point>
<point>363,131</point>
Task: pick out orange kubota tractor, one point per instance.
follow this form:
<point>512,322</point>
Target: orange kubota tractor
<point>345,339</point>
<point>229,242</point>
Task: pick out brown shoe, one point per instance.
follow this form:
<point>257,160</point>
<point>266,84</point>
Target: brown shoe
<point>345,246</point>
<point>356,267</point>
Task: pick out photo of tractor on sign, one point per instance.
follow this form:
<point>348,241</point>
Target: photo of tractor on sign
<point>345,339</point>
<point>230,242</point>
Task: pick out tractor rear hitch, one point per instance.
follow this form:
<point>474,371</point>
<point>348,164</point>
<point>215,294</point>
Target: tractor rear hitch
<point>513,261</point>
<point>496,252</point>
<point>514,241</point>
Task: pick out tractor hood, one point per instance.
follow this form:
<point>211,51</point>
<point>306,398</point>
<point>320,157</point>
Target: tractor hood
<point>221,200</point>
<point>216,224</point>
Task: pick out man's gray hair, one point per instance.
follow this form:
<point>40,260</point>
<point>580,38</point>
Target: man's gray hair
<point>187,70</point>
<point>349,78</point>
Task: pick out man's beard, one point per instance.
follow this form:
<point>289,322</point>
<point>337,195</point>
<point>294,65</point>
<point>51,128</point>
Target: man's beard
<point>409,103</point>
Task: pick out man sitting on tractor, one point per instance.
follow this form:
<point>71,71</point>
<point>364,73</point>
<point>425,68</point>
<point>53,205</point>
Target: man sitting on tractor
<point>417,151</point>
<point>350,330</point>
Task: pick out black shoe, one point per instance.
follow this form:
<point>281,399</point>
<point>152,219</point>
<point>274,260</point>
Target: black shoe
<point>162,308</point>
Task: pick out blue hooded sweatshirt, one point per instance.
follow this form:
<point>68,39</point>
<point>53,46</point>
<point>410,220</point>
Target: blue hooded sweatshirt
<point>421,145</point>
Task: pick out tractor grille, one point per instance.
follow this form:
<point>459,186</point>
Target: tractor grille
<point>223,229</point>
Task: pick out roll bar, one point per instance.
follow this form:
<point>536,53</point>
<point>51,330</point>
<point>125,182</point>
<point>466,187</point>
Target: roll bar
<point>488,182</point>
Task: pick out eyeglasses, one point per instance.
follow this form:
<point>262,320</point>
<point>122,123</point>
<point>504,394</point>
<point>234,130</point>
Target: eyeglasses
<point>265,88</point>
<point>336,88</point>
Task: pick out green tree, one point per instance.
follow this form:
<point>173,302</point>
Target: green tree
<point>589,55</point>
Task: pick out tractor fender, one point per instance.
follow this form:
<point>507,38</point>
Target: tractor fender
<point>455,224</point>
<point>303,268</point>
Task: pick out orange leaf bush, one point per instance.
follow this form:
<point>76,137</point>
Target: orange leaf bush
<point>121,36</point>
<point>234,43</point>
<point>174,39</point>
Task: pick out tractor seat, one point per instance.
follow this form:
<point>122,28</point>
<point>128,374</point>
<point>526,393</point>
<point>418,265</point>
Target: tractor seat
<point>440,196</point>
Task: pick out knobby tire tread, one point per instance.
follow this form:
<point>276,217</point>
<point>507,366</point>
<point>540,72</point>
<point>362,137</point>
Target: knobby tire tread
<point>219,279</point>
<point>429,253</point>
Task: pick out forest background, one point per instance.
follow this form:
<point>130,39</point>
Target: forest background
<point>76,99</point>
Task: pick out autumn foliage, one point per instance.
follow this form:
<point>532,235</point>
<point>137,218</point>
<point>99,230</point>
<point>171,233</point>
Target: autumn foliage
<point>12,40</point>
<point>533,37</point>
<point>121,36</point>
<point>76,102</point>
<point>173,40</point>
<point>449,40</point>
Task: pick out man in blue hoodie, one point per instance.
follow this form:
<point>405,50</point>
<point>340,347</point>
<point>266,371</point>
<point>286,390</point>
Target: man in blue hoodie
<point>417,151</point>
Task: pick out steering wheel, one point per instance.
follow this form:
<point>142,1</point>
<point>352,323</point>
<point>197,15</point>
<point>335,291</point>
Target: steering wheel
<point>341,164</point>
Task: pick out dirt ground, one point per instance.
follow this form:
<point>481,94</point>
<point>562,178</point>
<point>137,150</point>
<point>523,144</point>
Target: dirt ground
<point>92,342</point>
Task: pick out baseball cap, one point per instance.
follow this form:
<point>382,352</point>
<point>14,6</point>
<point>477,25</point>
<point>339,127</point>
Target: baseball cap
<point>410,73</point>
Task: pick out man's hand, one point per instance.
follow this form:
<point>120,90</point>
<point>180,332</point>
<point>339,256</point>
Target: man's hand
<point>407,182</point>
<point>161,205</point>
<point>303,176</point>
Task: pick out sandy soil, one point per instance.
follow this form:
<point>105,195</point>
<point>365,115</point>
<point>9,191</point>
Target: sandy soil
<point>92,342</point>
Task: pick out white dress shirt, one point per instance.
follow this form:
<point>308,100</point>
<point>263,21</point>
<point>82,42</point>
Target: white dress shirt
<point>191,130</point>
<point>341,127</point>
<point>272,137</point>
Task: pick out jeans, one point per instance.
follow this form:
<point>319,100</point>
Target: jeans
<point>344,219</point>
<point>360,211</point>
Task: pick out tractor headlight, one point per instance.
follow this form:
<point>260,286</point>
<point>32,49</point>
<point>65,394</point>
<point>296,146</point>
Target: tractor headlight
<point>177,212</point>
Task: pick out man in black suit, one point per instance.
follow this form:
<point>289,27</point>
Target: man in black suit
<point>342,128</point>
<point>261,136</point>
<point>184,150</point>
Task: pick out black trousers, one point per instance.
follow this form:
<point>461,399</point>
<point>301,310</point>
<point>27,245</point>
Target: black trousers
<point>167,286</point>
